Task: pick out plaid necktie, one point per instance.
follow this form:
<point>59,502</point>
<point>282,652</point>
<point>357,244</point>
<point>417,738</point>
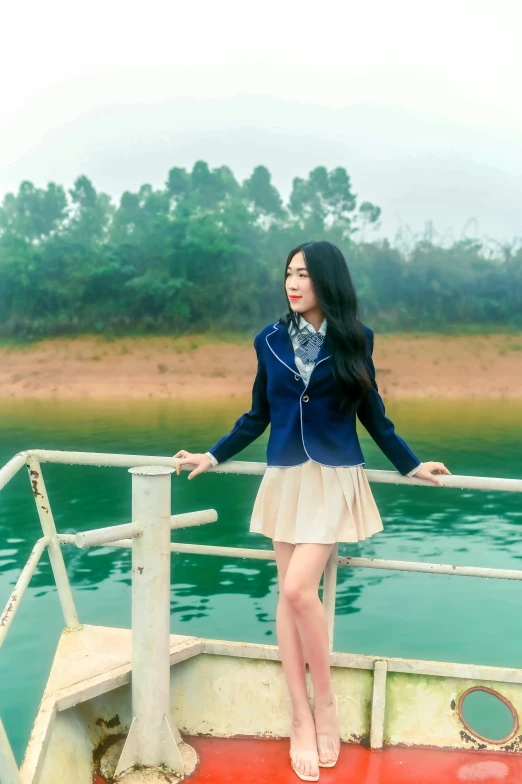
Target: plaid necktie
<point>310,344</point>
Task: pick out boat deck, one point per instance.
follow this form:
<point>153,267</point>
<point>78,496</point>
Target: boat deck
<point>253,761</point>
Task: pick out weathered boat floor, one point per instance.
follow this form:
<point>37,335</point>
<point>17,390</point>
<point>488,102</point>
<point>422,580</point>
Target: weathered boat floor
<point>253,761</point>
<point>229,702</point>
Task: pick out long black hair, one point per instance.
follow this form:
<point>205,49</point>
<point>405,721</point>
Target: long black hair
<point>336,297</point>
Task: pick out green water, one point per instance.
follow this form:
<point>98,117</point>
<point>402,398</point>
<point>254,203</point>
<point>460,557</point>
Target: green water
<point>378,612</point>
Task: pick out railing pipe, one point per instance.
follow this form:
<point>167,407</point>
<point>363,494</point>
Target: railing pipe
<point>55,553</point>
<point>462,482</point>
<point>330,591</point>
<point>187,519</point>
<point>9,773</point>
<point>112,536</point>
<point>342,561</point>
<point>104,536</point>
<point>432,568</point>
<point>367,563</point>
<point>13,603</point>
<point>11,469</point>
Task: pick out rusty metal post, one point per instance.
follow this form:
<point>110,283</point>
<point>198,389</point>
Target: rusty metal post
<point>54,549</point>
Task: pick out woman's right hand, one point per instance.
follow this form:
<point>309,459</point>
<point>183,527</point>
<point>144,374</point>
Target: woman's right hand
<point>201,461</point>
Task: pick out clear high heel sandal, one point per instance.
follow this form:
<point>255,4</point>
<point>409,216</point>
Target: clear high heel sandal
<point>330,764</point>
<point>307,754</point>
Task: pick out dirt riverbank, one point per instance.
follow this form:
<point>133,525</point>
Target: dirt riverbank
<point>450,366</point>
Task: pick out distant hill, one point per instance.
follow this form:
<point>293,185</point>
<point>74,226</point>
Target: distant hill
<point>415,167</point>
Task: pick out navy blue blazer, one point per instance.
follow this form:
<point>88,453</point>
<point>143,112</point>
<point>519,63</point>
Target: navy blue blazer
<point>306,422</point>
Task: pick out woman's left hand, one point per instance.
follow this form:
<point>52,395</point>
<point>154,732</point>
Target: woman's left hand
<point>427,471</point>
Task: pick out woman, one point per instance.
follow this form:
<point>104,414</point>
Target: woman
<point>314,491</point>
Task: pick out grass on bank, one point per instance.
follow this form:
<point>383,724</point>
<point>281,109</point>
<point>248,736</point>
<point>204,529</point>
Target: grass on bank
<point>102,345</point>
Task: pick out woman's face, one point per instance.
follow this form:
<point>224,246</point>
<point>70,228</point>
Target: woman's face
<point>299,287</point>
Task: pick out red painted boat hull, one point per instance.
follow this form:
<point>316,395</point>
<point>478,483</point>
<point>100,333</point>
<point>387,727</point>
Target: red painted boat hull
<point>255,761</point>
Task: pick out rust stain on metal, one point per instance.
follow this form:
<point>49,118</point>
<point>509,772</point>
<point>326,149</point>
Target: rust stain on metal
<point>8,610</point>
<point>467,738</point>
<point>167,775</point>
<point>110,723</point>
<point>35,475</point>
<point>34,485</point>
<point>515,745</point>
<point>99,752</point>
<point>362,740</point>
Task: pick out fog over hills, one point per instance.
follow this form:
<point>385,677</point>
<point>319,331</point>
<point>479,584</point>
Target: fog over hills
<point>414,166</point>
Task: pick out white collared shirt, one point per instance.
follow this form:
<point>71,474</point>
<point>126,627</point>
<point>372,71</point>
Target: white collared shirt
<point>305,368</point>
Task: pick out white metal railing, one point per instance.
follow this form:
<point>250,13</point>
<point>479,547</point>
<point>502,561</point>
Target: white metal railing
<point>9,773</point>
<point>137,533</point>
<point>13,602</point>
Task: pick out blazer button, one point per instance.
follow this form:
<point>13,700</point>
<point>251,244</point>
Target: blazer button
<point>297,377</point>
<point>306,399</point>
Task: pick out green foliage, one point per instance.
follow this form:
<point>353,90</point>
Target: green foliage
<point>207,252</point>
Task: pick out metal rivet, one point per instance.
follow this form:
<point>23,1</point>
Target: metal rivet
<point>306,399</point>
<point>297,378</point>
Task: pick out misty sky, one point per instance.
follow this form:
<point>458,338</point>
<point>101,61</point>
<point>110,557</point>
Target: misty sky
<point>458,62</point>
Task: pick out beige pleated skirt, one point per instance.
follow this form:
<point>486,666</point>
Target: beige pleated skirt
<point>315,503</point>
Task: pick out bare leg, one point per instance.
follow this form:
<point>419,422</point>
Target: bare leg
<point>291,652</point>
<point>300,588</point>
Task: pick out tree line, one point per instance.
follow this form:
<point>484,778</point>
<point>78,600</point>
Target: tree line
<point>207,252</point>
